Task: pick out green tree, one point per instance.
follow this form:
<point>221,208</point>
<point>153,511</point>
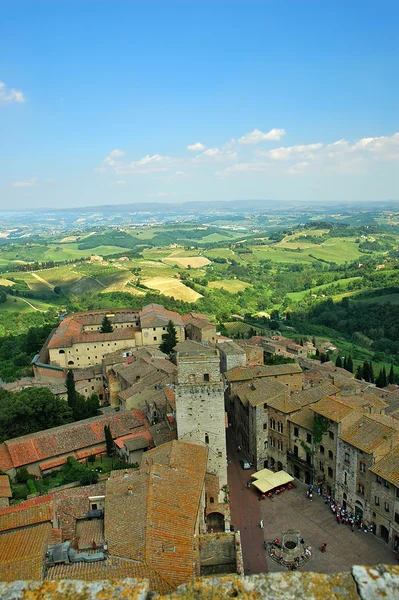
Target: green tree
<point>371,372</point>
<point>349,364</point>
<point>71,390</point>
<point>31,410</point>
<point>345,363</point>
<point>359,372</point>
<point>3,297</point>
<point>92,405</point>
<point>106,325</point>
<point>169,339</point>
<point>109,441</point>
<point>366,371</point>
<point>57,290</point>
<point>391,376</point>
<point>338,362</point>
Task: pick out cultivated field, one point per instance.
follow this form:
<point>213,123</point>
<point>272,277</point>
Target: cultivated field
<point>171,287</point>
<point>230,285</point>
<point>195,262</point>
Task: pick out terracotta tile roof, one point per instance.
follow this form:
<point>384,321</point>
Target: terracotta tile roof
<point>315,393</point>
<point>303,418</point>
<point>5,459</point>
<point>368,434</point>
<point>73,504</point>
<point>112,568</point>
<point>89,532</point>
<point>30,512</point>
<point>191,348</point>
<point>164,432</point>
<point>142,439</point>
<point>332,409</point>
<point>22,553</point>
<point>243,373</point>
<point>5,488</point>
<point>149,383</point>
<point>150,515</point>
<point>155,315</point>
<point>231,348</point>
<point>362,401</point>
<point>71,330</point>
<point>284,403</point>
<point>170,396</point>
<point>55,536</point>
<point>67,439</point>
<point>388,467</point>
<point>260,391</point>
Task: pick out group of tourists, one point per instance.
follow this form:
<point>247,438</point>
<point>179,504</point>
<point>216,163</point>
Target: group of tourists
<point>345,517</point>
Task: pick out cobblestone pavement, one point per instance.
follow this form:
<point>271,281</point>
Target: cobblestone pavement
<point>245,510</point>
<point>316,523</point>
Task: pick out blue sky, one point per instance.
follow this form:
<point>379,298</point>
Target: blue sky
<point>189,100</point>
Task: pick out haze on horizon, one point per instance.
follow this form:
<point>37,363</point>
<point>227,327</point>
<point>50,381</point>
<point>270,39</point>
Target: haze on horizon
<point>173,101</point>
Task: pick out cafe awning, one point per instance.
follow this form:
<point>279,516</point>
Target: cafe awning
<point>266,480</point>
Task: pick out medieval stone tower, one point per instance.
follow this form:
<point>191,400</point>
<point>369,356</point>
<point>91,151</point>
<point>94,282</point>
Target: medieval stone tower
<point>200,412</point>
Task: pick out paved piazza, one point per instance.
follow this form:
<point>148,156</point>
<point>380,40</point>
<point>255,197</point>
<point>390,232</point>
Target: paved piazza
<point>317,524</point>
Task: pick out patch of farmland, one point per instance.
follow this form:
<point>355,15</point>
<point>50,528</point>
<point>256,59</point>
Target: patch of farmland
<point>64,276</point>
<point>169,286</point>
<point>86,284</point>
<point>195,262</point>
<point>6,282</point>
<point>230,285</point>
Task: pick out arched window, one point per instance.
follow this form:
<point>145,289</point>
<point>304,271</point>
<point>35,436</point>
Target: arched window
<point>206,438</point>
<point>206,376</point>
<point>61,351</point>
<point>70,362</point>
<point>346,478</point>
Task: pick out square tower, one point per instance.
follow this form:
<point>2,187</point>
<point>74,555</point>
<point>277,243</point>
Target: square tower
<point>200,412</point>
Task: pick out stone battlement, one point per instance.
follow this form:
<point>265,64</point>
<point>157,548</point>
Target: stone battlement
<point>365,583</point>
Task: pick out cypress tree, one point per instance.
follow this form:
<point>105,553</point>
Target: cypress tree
<point>371,372</point>
<point>169,339</point>
<point>345,363</point>
<point>106,325</point>
<point>359,372</point>
<point>108,440</point>
<point>71,390</point>
<point>338,362</point>
<point>349,364</point>
<point>384,377</point>
<point>391,376</point>
<point>366,371</point>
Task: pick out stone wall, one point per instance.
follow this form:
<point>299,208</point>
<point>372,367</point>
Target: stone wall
<point>362,583</point>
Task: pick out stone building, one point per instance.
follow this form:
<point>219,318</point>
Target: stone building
<point>78,341</point>
<point>289,374</point>
<point>384,498</point>
<point>360,446</point>
<point>248,413</point>
<point>199,328</point>
<point>200,412</point>
<point>300,441</point>
<point>231,355</point>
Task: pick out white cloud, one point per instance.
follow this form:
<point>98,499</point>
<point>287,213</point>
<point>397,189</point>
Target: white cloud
<point>216,154</point>
<point>24,184</point>
<point>295,152</point>
<point>198,147</point>
<point>148,164</point>
<point>248,167</point>
<point>116,153</point>
<point>298,168</point>
<point>256,136</point>
<point>9,95</point>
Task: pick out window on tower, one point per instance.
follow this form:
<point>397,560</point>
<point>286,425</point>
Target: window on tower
<point>206,438</point>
